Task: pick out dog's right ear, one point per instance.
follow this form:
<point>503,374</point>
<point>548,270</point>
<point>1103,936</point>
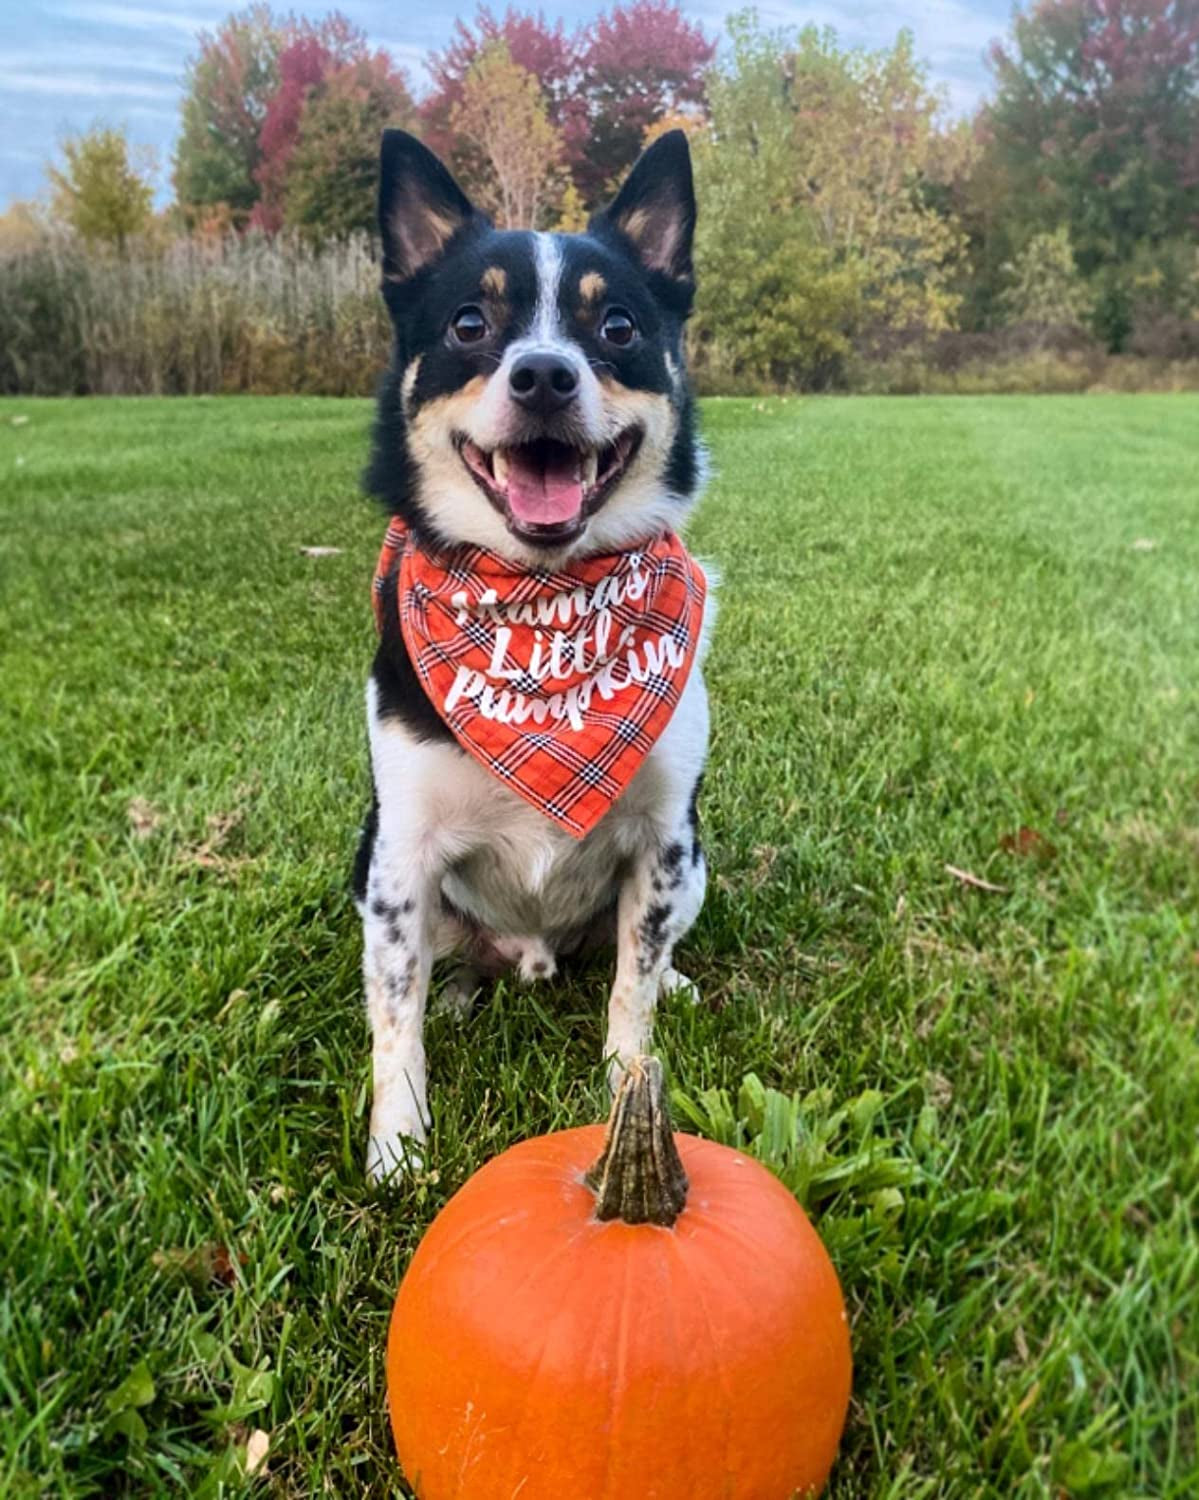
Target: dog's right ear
<point>421,207</point>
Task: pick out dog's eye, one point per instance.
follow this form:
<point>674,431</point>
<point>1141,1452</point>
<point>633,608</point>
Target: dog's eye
<point>469,325</point>
<point>618,327</point>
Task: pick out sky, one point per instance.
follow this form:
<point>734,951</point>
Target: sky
<point>68,64</point>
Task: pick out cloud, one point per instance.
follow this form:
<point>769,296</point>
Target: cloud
<point>68,84</point>
<point>142,18</point>
<point>85,57</point>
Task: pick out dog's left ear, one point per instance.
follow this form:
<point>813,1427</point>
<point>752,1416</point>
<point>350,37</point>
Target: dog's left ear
<point>655,209</point>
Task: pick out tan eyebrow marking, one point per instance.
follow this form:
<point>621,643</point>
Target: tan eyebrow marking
<point>495,281</point>
<point>592,286</point>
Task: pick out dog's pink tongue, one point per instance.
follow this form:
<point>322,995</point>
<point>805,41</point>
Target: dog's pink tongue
<point>544,490</point>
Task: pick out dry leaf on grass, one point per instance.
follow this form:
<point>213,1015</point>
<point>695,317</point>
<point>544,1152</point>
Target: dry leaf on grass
<point>1028,843</point>
<point>1144,544</point>
<point>976,882</point>
<point>144,818</point>
<point>321,551</point>
<point>201,1266</point>
<point>257,1449</point>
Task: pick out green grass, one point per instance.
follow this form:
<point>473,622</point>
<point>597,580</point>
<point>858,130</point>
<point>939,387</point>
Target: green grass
<point>936,630</point>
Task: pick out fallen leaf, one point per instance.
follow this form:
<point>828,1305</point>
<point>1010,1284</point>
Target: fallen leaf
<point>144,818</point>
<point>18,421</point>
<point>201,1266</point>
<point>1144,544</point>
<point>257,1449</point>
<point>975,881</point>
<point>321,551</point>
<point>1028,844</point>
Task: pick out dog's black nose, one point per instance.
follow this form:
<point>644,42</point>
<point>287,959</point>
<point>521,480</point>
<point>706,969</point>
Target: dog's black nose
<point>543,383</point>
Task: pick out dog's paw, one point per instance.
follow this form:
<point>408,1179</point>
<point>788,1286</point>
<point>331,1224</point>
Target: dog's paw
<point>458,994</point>
<point>390,1158</point>
<point>674,983</point>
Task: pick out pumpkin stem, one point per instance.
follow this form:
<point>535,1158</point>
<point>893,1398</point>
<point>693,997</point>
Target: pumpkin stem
<point>638,1176</point>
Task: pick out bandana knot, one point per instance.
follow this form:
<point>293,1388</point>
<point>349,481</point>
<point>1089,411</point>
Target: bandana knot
<point>558,683</point>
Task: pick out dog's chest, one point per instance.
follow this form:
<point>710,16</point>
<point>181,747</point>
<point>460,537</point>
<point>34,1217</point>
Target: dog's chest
<point>525,875</point>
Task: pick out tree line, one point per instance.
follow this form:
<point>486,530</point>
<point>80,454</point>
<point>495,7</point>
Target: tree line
<point>846,221</point>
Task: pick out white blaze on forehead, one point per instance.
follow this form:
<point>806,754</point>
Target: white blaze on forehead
<point>548,255</point>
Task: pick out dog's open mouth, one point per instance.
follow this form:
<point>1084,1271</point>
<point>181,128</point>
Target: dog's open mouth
<point>546,490</point>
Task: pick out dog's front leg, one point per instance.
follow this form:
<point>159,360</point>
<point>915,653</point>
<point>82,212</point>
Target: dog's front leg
<point>398,920</point>
<point>659,900</point>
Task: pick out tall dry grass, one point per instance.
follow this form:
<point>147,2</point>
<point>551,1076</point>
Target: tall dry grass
<point>265,316</point>
<point>191,316</point>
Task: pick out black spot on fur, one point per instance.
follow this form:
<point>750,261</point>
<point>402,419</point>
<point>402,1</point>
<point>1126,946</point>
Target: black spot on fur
<point>653,936</point>
<point>672,862</point>
<point>697,849</point>
<point>366,848</point>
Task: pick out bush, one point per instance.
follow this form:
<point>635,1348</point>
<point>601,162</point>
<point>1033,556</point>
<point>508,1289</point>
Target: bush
<point>194,316</point>
<point>1165,337</point>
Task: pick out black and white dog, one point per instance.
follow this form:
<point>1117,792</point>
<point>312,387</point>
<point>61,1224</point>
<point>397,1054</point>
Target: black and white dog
<point>536,407</point>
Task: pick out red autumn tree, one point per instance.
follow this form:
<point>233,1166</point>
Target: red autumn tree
<point>332,171</point>
<point>637,63</point>
<point>604,87</point>
<point>312,53</point>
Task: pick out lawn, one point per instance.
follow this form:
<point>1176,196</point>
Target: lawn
<point>954,633</point>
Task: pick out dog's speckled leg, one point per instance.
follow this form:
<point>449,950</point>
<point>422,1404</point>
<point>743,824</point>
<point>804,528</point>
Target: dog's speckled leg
<point>659,900</point>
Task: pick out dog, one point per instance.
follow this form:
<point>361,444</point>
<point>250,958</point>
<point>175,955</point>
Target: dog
<point>535,441</point>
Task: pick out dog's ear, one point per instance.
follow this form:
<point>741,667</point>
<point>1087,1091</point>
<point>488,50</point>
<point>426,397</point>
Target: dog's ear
<point>655,209</point>
<point>421,207</point>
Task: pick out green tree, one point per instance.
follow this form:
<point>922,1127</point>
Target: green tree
<point>867,151</point>
<point>1096,119</point>
<point>332,171</point>
<point>815,212</point>
<point>99,191</point>
<point>502,113</point>
<point>228,88</point>
<point>1043,284</point>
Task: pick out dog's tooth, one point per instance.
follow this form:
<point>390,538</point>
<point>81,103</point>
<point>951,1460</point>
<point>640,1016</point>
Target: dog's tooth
<point>590,467</point>
<point>499,466</point>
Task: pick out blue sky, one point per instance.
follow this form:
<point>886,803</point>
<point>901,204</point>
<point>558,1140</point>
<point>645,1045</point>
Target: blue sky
<point>65,64</point>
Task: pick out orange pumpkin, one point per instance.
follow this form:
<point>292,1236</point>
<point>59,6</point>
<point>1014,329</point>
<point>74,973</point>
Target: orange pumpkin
<point>666,1325</point>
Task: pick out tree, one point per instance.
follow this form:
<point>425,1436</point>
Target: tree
<point>332,172</point>
<point>543,50</point>
<point>502,114</point>
<point>314,53</point>
<point>1096,121</point>
<point>773,305</point>
<point>603,87</point>
<point>637,63</point>
<point>1043,284</point>
<point>228,88</point>
<point>866,145</point>
<point>816,215</point>
<point>99,191</point>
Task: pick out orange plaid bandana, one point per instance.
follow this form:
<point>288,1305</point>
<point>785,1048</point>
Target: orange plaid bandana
<point>559,683</point>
